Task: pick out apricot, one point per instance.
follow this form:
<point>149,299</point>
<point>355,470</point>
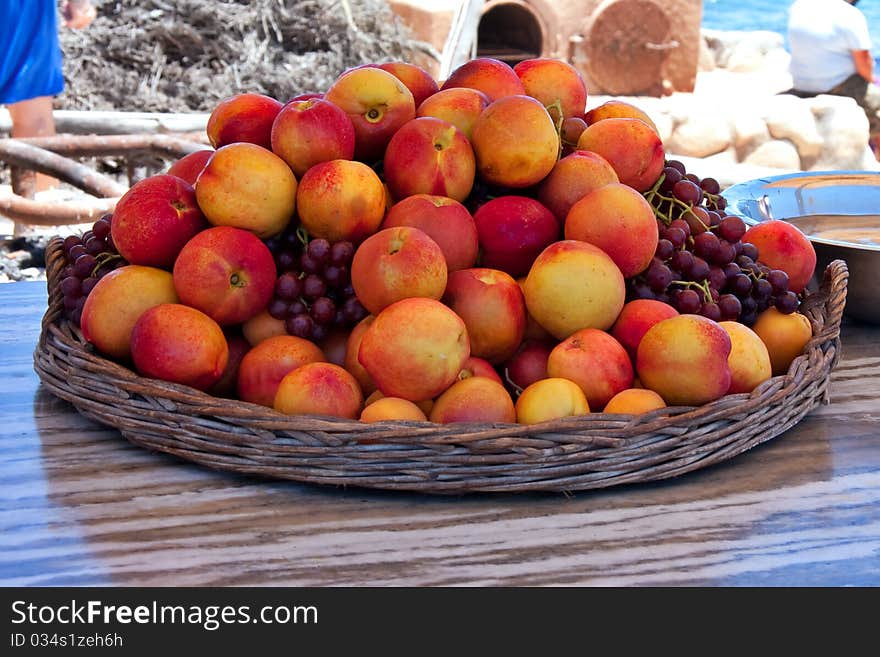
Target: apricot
<point>595,361</point>
<point>512,231</point>
<point>749,360</point>
<point>634,401</point>
<point>419,82</point>
<point>550,399</point>
<point>474,399</point>
<point>352,349</point>
<point>491,76</point>
<point>190,166</point>
<point>552,81</point>
<point>785,337</point>
<point>307,132</point>
<point>459,105</point>
<point>631,147</point>
<point>262,326</point>
<point>572,178</point>
<point>618,220</point>
<point>319,389</point>
<point>243,117</point>
<point>574,285</point>
<point>636,318</point>
<point>474,366</point>
<point>684,359</point>
<point>782,245</point>
<point>515,142</point>
<point>392,408</point>
<point>618,109</point>
<point>270,361</point>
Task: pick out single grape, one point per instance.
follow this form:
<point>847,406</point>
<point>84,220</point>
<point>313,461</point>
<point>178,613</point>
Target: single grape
<point>71,286</point>
<point>749,305</point>
<point>658,276</point>
<point>314,287</point>
<point>740,284</point>
<point>787,303</point>
<point>717,278</point>
<point>89,284</point>
<point>286,261</point>
<point>353,310</point>
<point>720,203</point>
<point>730,306</point>
<point>664,250</point>
<point>778,279</point>
<point>710,186</point>
<point>688,302</point>
<point>675,164</point>
<point>725,253</point>
<point>319,250</point>
<point>309,265</point>
<point>676,236</point>
<point>681,223</point>
<point>711,311</point>
<point>94,246</point>
<point>277,308</point>
<point>682,261</point>
<point>86,236</point>
<point>300,325</point>
<point>706,245</point>
<point>745,262</point>
<point>341,253</point>
<point>697,219</point>
<point>288,287</point>
<point>688,192</point>
<point>672,176</point>
<point>748,318</point>
<point>699,270</point>
<point>71,241</point>
<point>731,269</point>
<point>70,303</point>
<point>101,229</point>
<point>84,265</point>
<point>323,310</point>
<point>750,250</point>
<point>642,290</point>
<point>732,228</point>
<point>319,333</point>
<point>762,289</point>
<point>694,178</point>
<point>336,276</point>
<point>76,251</point>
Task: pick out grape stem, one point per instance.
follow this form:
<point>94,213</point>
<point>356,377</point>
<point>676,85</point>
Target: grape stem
<point>654,193</point>
<point>703,287</point>
<point>102,260</point>
<point>302,235</point>
<point>557,105</point>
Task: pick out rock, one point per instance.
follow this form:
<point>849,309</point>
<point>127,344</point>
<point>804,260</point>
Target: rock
<point>777,154</point>
<point>843,127</point>
<point>742,51</point>
<point>4,278</point>
<point>32,273</point>
<point>705,57</point>
<point>788,117</point>
<point>701,135</point>
<point>750,131</point>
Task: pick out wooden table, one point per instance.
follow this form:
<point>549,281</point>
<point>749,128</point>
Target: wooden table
<point>79,505</point>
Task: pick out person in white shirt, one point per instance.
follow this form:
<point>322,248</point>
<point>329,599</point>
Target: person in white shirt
<point>831,54</point>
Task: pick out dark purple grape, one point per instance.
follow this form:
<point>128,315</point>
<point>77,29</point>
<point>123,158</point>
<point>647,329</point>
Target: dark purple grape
<point>94,246</point>
<point>778,279</point>
<point>745,262</point>
<point>749,305</point>
<point>89,284</point>
<point>706,245</point>
<point>66,270</point>
<point>314,287</point>
<point>675,236</point>
<point>787,303</point>
<point>694,178</point>
<point>688,192</point>
<point>740,285</point>
<point>75,252</point>
<point>291,240</point>
<point>720,203</point>
<point>699,271</point>
<point>711,311</point>
<point>70,302</point>
<point>730,307</point>
<point>675,164</point>
<point>336,276</point>
<point>309,265</point>
<point>688,302</point>
<point>101,229</point>
<point>86,236</point>
<point>323,310</point>
<point>725,253</point>
<point>681,223</point>
<point>353,310</point>
<point>762,289</point>
<point>748,318</point>
<point>682,261</point>
<point>286,261</point>
<point>717,278</point>
<point>273,244</point>
<point>278,308</point>
<point>297,308</point>
<point>84,265</point>
<point>658,276</point>
<point>714,219</point>
<point>664,250</point>
<point>71,287</point>
<point>319,250</point>
<point>732,228</point>
<point>319,333</point>
<point>300,325</point>
<point>750,250</point>
<point>69,242</point>
<point>731,269</point>
<point>110,244</point>
<point>710,186</point>
<point>341,253</point>
<point>288,287</point>
<point>642,290</point>
<point>672,176</point>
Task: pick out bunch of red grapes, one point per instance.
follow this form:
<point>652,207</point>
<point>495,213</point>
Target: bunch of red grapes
<point>701,266</point>
<point>313,293</point>
<point>89,257</point>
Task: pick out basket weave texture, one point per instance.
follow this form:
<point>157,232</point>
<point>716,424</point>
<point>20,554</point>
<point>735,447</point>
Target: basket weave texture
<point>578,453</point>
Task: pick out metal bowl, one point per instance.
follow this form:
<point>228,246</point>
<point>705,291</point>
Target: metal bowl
<point>839,211</point>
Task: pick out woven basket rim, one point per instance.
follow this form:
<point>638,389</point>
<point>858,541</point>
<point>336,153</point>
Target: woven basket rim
<point>239,436</point>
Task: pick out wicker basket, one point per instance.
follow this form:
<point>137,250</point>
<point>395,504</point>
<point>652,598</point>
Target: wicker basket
<point>591,451</point>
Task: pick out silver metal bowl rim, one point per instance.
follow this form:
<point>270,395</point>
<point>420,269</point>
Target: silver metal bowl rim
<point>747,191</point>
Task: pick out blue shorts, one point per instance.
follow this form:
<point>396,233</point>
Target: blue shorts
<point>30,56</point>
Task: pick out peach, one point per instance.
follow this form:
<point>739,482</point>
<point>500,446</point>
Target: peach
<point>154,219</point>
<point>227,273</point>
<point>429,156</point>
<point>460,106</point>
<point>618,109</point>
<point>785,337</point>
<point>116,303</point>
<point>595,361</point>
<point>684,360</point>
<point>445,221</point>
<point>636,318</point>
<point>491,76</point>
<point>424,406</point>
<point>515,142</point>
<point>513,230</point>
<point>634,401</point>
<point>377,103</point>
<point>306,132</point>
<point>749,360</point>
<point>352,350</point>
<point>244,117</point>
<point>270,361</point>
<point>491,304</point>
<point>631,147</point>
<point>419,82</point>
<point>262,326</point>
<point>190,166</point>
<point>554,82</point>
<point>238,347</point>
<point>180,344</point>
<point>247,186</point>
<point>572,178</point>
<point>415,349</point>
<point>319,389</point>
<point>550,399</point>
<point>341,200</point>
<point>475,399</point>
<point>529,363</point>
<point>574,285</point>
<point>534,331</point>
<point>392,408</point>
<point>474,366</point>
<point>618,220</point>
<point>397,263</point>
<point>782,245</point>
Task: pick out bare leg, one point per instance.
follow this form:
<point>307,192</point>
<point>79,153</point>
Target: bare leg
<point>33,118</point>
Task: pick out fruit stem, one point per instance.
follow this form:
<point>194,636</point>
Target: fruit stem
<point>302,235</point>
<point>102,260</point>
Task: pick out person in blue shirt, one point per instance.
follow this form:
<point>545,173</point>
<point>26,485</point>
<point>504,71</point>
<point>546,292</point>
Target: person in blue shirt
<point>30,62</point>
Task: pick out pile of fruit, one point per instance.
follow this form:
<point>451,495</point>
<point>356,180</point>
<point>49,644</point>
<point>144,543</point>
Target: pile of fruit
<point>485,251</point>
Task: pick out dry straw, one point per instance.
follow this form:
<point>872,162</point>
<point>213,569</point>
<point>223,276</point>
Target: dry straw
<point>591,451</point>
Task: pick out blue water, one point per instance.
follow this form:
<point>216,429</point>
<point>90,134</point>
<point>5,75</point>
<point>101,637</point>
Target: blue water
<point>773,15</point>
